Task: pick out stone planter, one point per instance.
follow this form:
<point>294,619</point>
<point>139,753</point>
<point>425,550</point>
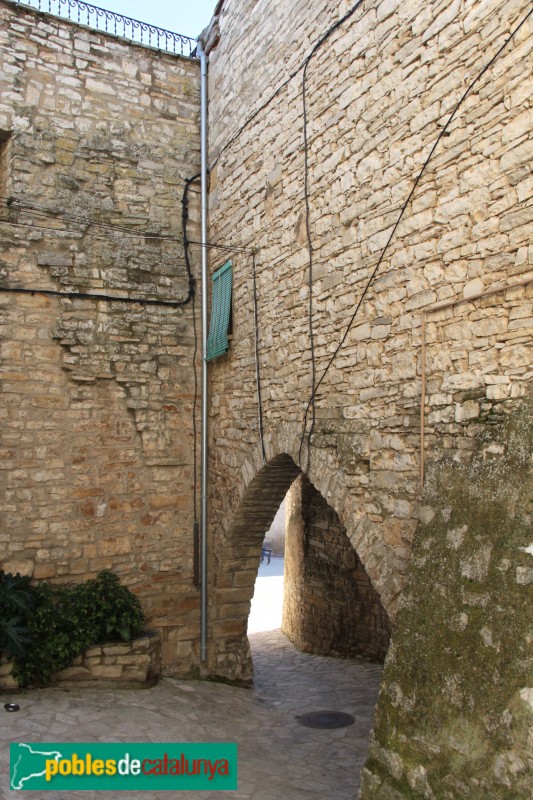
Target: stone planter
<point>117,664</point>
<point>7,681</point>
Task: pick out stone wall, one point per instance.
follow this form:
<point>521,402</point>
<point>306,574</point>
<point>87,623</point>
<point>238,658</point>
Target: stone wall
<point>330,607</point>
<point>455,711</point>
<point>97,396</point>
<point>378,93</point>
<point>121,664</point>
<point>118,663</point>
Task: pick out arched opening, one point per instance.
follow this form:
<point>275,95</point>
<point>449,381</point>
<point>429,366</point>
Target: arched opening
<point>331,609</point>
<point>267,602</point>
<point>330,606</point>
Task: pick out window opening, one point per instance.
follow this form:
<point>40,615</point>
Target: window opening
<point>217,340</point>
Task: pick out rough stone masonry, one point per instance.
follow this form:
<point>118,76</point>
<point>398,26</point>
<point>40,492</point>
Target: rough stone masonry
<point>444,329</point>
<point>378,93</point>
<point>96,396</point>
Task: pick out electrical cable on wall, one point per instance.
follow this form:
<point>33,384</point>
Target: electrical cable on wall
<point>310,248</point>
<point>110,298</point>
<point>38,211</point>
<point>257,371</point>
<point>35,210</point>
<point>310,251</point>
<point>149,302</point>
<point>184,221</point>
<point>351,11</point>
<point>466,93</point>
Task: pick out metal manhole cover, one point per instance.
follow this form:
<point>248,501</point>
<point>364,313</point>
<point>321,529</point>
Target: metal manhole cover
<point>326,720</point>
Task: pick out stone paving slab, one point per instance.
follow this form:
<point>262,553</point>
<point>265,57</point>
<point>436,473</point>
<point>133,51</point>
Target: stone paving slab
<point>278,758</point>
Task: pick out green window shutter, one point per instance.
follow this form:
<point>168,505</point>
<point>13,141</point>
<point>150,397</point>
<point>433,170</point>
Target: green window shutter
<point>217,340</point>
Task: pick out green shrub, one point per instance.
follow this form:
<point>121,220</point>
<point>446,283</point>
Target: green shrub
<point>17,600</point>
<point>69,619</point>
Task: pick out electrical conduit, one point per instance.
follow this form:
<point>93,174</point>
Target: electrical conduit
<point>204,452</point>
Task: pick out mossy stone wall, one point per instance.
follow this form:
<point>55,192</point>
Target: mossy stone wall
<point>455,714</point>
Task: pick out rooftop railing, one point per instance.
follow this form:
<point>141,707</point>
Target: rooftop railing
<point>116,24</point>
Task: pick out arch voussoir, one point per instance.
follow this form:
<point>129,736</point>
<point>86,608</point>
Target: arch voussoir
<point>237,563</point>
<point>261,490</point>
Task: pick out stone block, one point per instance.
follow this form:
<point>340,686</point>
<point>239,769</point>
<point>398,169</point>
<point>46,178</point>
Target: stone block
<point>93,652</point>
<point>106,671</point>
<point>43,571</point>
<point>498,392</point>
<point>476,567</point>
<point>133,675</point>
<point>467,411</point>
<point>77,673</point>
<point>524,575</point>
<point>119,545</point>
<point>7,681</point>
<point>117,649</point>
<point>137,661</point>
<point>23,565</point>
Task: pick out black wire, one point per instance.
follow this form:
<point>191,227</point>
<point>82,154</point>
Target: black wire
<point>310,248</point>
<point>93,296</point>
<point>351,11</point>
<point>12,202</point>
<point>487,66</point>
<point>196,524</point>
<point>310,251</point>
<point>293,74</point>
<point>196,531</point>
<point>305,64</point>
<point>184,220</point>
<point>257,371</point>
<point>173,304</point>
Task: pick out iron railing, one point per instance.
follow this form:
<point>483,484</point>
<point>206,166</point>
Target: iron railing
<point>116,24</point>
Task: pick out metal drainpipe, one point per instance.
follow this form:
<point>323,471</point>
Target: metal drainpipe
<point>203,460</point>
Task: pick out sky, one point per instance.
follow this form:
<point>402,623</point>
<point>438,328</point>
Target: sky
<point>189,17</point>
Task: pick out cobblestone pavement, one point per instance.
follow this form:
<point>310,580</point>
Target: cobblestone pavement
<point>278,758</point>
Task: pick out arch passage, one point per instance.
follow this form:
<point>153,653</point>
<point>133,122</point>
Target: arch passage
<point>331,607</point>
<point>235,569</point>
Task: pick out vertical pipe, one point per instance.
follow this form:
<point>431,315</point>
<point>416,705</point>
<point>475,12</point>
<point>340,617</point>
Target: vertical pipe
<point>203,465</point>
<point>423,402</point>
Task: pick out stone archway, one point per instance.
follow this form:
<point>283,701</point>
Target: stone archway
<point>235,567</point>
<point>330,605</point>
<point>237,562</point>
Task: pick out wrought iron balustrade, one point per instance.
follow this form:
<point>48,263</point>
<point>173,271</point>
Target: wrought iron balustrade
<point>116,24</point>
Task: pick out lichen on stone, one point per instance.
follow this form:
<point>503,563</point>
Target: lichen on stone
<point>462,660</point>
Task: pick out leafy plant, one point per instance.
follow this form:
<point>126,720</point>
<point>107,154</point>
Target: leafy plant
<point>113,609</point>
<point>69,619</point>
<point>17,600</point>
